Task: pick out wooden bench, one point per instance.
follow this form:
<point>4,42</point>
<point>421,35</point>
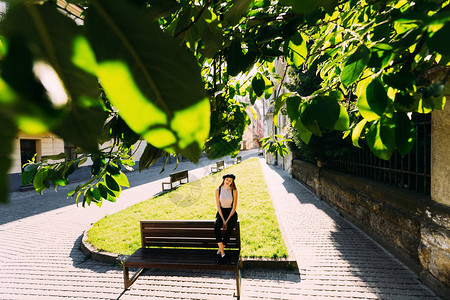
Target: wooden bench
<point>176,177</point>
<point>237,160</point>
<point>220,165</point>
<point>187,245</point>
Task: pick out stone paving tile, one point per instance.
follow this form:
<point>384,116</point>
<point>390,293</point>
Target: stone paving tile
<point>40,256</point>
<point>335,258</point>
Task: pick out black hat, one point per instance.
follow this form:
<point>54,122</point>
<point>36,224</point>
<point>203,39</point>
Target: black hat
<point>229,176</point>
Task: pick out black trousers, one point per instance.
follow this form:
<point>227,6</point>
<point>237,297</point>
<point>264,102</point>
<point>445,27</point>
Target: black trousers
<point>218,224</point>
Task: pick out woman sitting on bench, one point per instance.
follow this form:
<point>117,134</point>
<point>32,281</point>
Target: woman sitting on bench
<point>226,217</point>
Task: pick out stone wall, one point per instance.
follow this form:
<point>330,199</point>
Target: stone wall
<point>408,224</point>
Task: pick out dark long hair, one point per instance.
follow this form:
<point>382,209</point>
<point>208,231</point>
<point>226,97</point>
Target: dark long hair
<point>232,185</point>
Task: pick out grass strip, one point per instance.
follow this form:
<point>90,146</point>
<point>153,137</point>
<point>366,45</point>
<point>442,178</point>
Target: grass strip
<point>260,232</point>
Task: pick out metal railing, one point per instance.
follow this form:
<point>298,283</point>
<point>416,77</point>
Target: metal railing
<point>412,171</point>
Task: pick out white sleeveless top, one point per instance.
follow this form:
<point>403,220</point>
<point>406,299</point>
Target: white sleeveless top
<point>226,198</point>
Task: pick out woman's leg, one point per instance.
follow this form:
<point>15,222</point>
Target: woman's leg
<point>230,226</point>
<point>218,224</point>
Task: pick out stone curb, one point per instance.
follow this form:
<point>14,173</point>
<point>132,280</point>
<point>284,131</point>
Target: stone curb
<point>248,263</point>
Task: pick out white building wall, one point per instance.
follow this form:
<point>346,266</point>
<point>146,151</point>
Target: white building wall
<point>269,127</point>
<point>46,144</point>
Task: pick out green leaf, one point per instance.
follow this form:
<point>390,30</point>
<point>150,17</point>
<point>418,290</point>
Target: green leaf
<point>54,40</point>
<point>218,147</point>
<point>97,165</point>
<point>293,107</point>
<point>119,129</point>
<point>401,80</point>
<point>258,84</point>
<point>86,199</point>
<point>210,32</point>
<point>279,103</point>
<point>162,8</point>
<point>372,103</point>
<point>56,178</point>
<point>356,133</point>
<point>308,7</point>
<point>28,173</point>
<point>308,121</point>
<point>296,50</point>
<point>150,156</point>
<point>326,110</point>
<point>153,81</point>
<point>381,138</point>
<point>237,11</point>
<point>81,126</point>
<point>73,165</point>
<point>38,181</point>
<point>111,183</point>
<point>305,134</point>
<point>106,193</point>
<point>354,65</point>
<point>439,41</point>
<point>343,121</point>
<point>61,155</point>
<point>183,21</point>
<point>51,36</point>
<point>96,194</point>
<point>112,170</point>
<point>17,72</point>
<point>434,96</point>
<point>235,58</point>
<point>122,179</point>
<point>405,133</point>
<point>406,102</point>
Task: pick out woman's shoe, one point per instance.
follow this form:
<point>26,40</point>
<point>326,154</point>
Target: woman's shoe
<point>219,259</point>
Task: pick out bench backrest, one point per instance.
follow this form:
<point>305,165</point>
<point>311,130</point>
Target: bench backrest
<point>220,163</point>
<point>190,234</point>
<point>179,175</point>
<point>239,159</point>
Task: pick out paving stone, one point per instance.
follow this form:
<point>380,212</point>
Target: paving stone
<point>40,256</point>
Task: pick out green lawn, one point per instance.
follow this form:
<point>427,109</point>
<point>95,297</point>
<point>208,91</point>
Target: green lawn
<point>260,233</point>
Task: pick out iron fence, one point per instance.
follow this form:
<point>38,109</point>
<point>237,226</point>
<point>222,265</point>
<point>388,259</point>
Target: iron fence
<point>411,171</point>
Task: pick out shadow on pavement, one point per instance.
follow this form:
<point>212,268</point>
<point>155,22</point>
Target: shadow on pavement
<point>341,251</point>
<point>30,203</point>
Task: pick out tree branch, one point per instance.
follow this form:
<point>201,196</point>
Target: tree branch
<point>195,20</point>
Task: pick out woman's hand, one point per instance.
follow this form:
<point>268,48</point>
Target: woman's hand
<point>224,227</point>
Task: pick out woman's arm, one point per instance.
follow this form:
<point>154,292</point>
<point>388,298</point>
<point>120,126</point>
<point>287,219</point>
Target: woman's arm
<point>235,201</point>
<point>219,209</point>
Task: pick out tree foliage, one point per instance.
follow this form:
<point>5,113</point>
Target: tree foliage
<point>173,72</point>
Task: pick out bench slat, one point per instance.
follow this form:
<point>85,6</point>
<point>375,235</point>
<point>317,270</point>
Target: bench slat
<point>182,224</point>
<point>180,259</point>
<point>200,243</point>
<point>173,232</point>
<point>178,175</point>
<point>196,234</point>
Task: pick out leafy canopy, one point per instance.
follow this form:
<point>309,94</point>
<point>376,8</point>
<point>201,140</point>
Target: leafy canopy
<point>174,72</point>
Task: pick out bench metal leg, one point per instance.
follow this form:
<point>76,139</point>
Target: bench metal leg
<point>126,277</point>
<point>238,282</point>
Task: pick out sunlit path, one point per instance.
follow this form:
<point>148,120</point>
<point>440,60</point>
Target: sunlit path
<point>41,257</point>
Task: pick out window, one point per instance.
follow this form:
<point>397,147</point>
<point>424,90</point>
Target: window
<point>69,150</point>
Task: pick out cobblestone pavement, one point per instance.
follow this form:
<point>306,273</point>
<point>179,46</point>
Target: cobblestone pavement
<point>40,256</point>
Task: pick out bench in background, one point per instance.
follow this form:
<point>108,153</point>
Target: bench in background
<point>220,165</point>
<point>176,177</point>
<point>237,160</point>
<point>187,245</point>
